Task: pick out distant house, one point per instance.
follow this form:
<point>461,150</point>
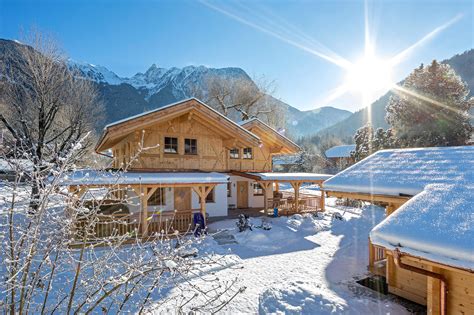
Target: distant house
<point>429,238</point>
<point>340,155</point>
<point>196,161</point>
<point>285,162</point>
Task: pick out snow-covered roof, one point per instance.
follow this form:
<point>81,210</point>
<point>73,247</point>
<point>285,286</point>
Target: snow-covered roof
<point>340,151</point>
<point>437,225</point>
<point>95,177</point>
<point>286,159</point>
<point>291,176</point>
<point>406,171</point>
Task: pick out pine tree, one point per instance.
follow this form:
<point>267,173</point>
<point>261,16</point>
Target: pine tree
<point>431,108</point>
<point>369,141</point>
<point>363,140</point>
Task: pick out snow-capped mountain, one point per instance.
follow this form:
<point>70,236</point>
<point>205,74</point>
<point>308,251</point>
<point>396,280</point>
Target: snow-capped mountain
<point>157,86</point>
<point>155,79</point>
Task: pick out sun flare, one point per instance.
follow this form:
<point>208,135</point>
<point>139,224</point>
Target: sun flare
<point>369,76</point>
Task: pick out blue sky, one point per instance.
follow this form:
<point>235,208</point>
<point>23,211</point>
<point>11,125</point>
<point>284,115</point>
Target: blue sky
<point>128,36</point>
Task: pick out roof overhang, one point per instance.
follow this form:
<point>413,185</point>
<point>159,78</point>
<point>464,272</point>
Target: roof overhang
<point>284,177</point>
<point>115,132</point>
<point>97,178</point>
<point>367,197</point>
<point>282,144</point>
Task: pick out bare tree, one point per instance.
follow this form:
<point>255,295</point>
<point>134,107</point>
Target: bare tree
<point>44,106</point>
<point>60,260</point>
<point>242,98</point>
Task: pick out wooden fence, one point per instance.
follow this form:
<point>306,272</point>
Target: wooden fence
<point>100,226</point>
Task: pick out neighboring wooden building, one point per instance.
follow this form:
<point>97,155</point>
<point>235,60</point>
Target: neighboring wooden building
<point>392,178</point>
<point>340,155</point>
<point>187,157</point>
<point>431,240</point>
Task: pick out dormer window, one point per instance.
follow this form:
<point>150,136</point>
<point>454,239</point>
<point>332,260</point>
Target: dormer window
<point>234,153</point>
<point>171,145</point>
<point>247,153</point>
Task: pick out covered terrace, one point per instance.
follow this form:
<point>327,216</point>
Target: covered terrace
<point>120,185</point>
<point>291,204</point>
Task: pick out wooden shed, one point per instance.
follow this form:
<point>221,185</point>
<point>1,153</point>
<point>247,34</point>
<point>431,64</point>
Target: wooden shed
<point>429,242</point>
<point>395,178</point>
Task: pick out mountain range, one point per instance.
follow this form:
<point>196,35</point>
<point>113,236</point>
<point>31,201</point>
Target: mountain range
<point>156,87</point>
<point>160,86</point>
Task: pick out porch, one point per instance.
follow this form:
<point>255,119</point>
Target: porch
<point>288,203</point>
<point>138,204</point>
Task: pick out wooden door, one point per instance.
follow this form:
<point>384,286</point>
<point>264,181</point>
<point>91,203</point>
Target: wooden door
<point>242,195</point>
<point>182,198</point>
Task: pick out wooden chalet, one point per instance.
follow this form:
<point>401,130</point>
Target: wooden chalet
<point>427,192</point>
<point>186,157</point>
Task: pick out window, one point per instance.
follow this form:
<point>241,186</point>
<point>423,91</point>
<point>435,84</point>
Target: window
<point>234,153</point>
<point>229,189</point>
<point>158,198</point>
<point>190,146</point>
<point>171,145</point>
<point>211,197</point>
<point>247,153</point>
<point>257,189</point>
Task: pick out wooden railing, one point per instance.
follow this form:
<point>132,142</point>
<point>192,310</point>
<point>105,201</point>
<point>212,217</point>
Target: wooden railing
<point>376,255</point>
<point>287,205</point>
<point>100,226</point>
<point>169,222</point>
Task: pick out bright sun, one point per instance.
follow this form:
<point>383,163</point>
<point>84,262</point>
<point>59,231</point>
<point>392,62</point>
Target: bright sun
<point>369,76</point>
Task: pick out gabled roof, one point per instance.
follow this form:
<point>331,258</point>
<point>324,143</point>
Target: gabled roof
<point>271,135</point>
<point>340,151</point>
<point>437,225</point>
<point>118,130</point>
<point>405,171</point>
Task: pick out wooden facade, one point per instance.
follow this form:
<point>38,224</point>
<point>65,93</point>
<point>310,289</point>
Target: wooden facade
<point>415,283</point>
<point>139,143</point>
<point>185,137</point>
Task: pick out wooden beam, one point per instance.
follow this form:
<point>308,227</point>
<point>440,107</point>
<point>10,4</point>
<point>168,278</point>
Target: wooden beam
<point>322,201</point>
<point>399,200</point>
<point>265,186</point>
<point>144,209</point>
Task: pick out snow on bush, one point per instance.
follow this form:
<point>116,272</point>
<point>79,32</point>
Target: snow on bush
<point>296,298</point>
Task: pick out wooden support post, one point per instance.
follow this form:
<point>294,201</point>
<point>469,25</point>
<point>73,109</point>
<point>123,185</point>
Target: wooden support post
<point>433,301</point>
<point>142,193</point>
<point>202,192</point>
<point>296,187</point>
<point>322,201</point>
<point>391,207</point>
<point>265,186</point>
<point>144,199</point>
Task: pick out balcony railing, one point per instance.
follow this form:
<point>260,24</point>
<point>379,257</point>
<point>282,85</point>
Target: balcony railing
<point>100,226</point>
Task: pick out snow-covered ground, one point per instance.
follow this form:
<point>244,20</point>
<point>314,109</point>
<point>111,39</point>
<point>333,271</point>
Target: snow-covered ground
<point>304,264</point>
